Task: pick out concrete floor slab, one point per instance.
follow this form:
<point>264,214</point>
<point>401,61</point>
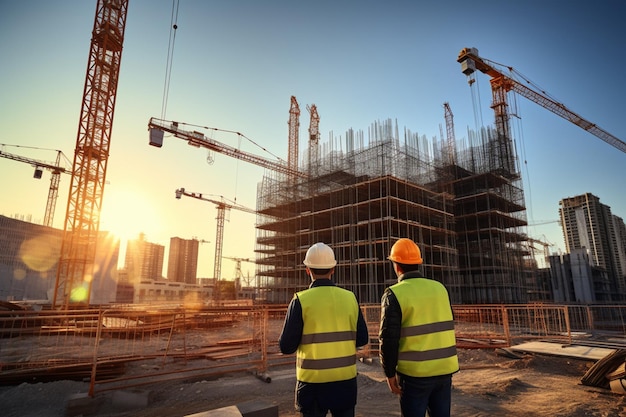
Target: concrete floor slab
<point>558,349</point>
<point>253,408</point>
<point>231,411</point>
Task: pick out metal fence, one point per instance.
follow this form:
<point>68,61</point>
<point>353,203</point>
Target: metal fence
<point>167,343</point>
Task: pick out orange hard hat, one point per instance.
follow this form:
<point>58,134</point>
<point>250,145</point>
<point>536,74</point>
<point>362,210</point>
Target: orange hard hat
<point>405,251</point>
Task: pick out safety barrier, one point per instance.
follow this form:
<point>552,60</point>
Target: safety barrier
<point>167,343</point>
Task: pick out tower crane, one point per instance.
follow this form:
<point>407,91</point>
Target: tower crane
<point>222,206</point>
<point>159,127</point>
<point>238,261</point>
<point>82,219</point>
<point>501,84</point>
<point>546,246</point>
<point>55,178</point>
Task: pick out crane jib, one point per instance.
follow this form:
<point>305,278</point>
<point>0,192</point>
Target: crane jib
<point>470,62</point>
<point>158,128</point>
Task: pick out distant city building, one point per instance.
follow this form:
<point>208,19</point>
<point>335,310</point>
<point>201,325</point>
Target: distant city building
<point>575,280</point>
<point>125,290</point>
<point>166,292</point>
<point>182,262</point>
<point>144,260</point>
<point>246,293</point>
<point>619,240</point>
<point>590,225</point>
<point>29,255</point>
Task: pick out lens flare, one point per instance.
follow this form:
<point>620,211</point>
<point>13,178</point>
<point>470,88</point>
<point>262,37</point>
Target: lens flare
<point>19,273</point>
<point>78,295</point>
<point>40,253</point>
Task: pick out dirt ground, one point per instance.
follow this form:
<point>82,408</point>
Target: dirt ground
<point>489,384</point>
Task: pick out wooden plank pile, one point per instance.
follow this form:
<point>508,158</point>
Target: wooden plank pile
<point>608,373</point>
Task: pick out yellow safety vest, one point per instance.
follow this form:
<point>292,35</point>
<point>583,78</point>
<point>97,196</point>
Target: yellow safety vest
<point>327,350</point>
<point>427,340</point>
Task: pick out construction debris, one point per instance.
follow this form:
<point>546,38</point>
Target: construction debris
<point>608,373</point>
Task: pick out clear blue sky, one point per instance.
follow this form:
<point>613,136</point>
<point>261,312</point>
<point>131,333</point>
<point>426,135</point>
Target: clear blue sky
<point>237,63</point>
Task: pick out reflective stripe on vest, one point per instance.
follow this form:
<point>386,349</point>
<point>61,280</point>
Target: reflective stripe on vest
<point>327,350</point>
<point>427,341</point>
<point>327,337</point>
<point>327,363</point>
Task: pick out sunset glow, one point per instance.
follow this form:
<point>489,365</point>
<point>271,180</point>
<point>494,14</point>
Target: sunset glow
<point>127,213</point>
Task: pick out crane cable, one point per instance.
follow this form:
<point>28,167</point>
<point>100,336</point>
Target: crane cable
<point>478,121</point>
<point>476,105</point>
<point>237,168</point>
<point>170,56</point>
<point>520,143</point>
<point>2,145</point>
<point>234,132</point>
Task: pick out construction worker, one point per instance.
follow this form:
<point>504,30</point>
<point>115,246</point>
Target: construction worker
<point>417,341</point>
<point>324,325</point>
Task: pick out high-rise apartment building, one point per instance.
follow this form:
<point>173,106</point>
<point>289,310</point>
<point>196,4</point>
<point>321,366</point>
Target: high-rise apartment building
<point>620,249</point>
<point>589,224</point>
<point>182,263</point>
<point>144,260</point>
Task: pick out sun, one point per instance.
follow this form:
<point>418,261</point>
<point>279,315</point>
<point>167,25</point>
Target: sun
<point>127,213</point>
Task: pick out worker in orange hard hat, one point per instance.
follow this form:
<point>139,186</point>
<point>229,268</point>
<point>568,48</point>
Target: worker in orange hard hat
<point>405,251</point>
<point>417,341</point>
<point>324,325</point>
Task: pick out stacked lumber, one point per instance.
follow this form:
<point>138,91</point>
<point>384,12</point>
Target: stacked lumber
<point>608,369</point>
<point>617,379</point>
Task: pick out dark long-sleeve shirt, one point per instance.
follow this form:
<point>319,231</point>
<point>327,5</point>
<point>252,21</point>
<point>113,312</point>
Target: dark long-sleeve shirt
<point>292,329</point>
<point>391,327</point>
<point>333,395</point>
<point>389,334</point>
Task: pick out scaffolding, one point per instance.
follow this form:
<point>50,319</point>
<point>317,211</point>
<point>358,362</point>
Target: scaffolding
<point>466,213</point>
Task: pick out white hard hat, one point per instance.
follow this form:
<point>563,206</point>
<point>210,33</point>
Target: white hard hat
<point>320,256</point>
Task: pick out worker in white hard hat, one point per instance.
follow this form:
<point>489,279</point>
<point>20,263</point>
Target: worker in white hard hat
<point>417,341</point>
<point>324,326</point>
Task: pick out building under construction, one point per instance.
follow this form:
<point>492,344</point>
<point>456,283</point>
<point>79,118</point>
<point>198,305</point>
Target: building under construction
<point>462,203</point>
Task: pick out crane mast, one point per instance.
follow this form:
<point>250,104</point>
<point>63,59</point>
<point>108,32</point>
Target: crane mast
<point>222,206</point>
<point>450,147</point>
<point>501,84</point>
<point>82,220</point>
<point>238,272</point>
<point>159,127</point>
<point>53,193</point>
<point>294,129</point>
<point>314,138</point>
